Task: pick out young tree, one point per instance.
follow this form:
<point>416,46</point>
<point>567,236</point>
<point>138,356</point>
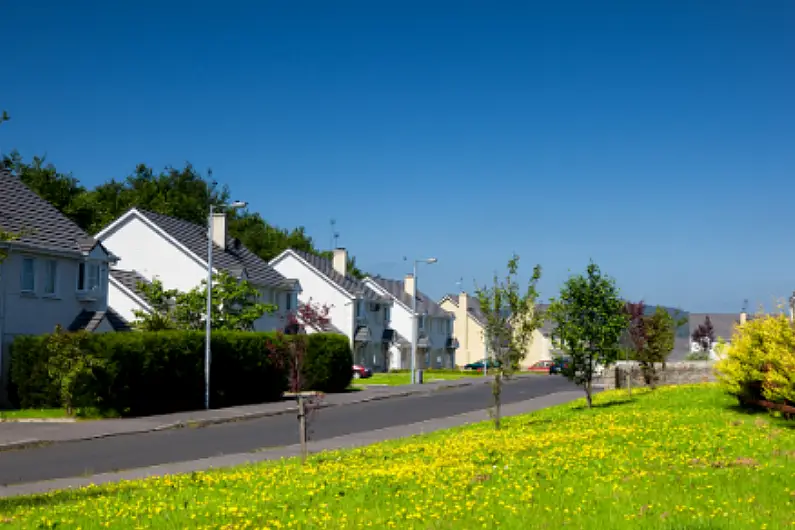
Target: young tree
<point>660,335</point>
<point>589,321</point>
<point>235,305</point>
<point>704,337</point>
<point>6,237</point>
<point>162,301</point>
<point>315,316</point>
<point>511,319</point>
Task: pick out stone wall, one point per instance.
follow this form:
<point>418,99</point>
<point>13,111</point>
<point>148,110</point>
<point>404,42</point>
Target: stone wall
<point>675,373</point>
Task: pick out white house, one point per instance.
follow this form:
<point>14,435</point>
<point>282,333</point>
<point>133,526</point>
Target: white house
<point>435,343</point>
<point>54,274</point>
<point>174,251</point>
<point>723,326</point>
<point>354,309</point>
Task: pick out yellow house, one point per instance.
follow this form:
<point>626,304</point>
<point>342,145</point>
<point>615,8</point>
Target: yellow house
<point>469,326</point>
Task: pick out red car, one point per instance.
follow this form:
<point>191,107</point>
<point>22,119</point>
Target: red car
<point>541,366</point>
<point>361,372</point>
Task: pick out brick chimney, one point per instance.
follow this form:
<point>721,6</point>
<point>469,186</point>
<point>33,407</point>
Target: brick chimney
<point>219,230</point>
<point>340,261</point>
<point>408,285</point>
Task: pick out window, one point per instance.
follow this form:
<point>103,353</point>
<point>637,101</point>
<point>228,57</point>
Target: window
<point>359,308</point>
<point>88,277</point>
<point>288,301</point>
<point>387,314</point>
<point>28,276</point>
<point>421,322</point>
<point>50,274</point>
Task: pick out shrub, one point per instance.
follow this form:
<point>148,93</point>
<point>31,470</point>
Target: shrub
<point>328,363</point>
<point>760,361</point>
<point>142,373</point>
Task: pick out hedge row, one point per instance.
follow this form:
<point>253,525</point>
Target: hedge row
<point>143,373</point>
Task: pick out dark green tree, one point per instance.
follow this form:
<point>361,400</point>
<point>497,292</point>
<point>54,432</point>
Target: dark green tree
<point>589,321</point>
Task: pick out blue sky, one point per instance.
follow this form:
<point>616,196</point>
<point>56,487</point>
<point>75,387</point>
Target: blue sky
<point>655,138</point>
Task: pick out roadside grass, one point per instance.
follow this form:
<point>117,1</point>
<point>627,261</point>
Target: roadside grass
<point>400,378</point>
<point>675,458</point>
<point>32,414</point>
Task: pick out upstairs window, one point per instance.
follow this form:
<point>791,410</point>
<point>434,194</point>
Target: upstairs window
<point>288,301</point>
<point>88,277</point>
<point>50,277</point>
<point>28,276</point>
<point>421,322</point>
<point>387,314</point>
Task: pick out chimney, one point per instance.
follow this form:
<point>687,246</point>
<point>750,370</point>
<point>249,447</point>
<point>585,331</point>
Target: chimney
<point>340,261</point>
<point>219,230</point>
<point>743,317</point>
<point>463,301</point>
<point>408,285</point>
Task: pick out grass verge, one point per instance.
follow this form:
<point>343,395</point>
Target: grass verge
<point>675,458</point>
<point>32,414</point>
<point>398,379</point>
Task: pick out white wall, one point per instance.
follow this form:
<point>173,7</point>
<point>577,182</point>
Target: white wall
<point>320,291</point>
<point>143,250</point>
<point>121,302</point>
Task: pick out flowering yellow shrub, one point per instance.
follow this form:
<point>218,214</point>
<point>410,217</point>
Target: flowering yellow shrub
<point>760,361</point>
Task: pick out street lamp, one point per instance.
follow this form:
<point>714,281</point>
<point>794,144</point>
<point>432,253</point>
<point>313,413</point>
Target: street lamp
<point>415,319</point>
<point>208,317</point>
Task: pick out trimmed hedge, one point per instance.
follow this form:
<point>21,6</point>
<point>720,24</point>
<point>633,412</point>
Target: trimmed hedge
<point>144,373</point>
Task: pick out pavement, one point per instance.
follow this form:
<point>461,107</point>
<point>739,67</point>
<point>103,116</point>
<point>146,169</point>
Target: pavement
<point>175,447</point>
<point>22,434</point>
<point>336,442</point>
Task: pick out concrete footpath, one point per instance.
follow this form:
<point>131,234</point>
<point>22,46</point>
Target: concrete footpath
<point>19,435</point>
<point>340,442</point>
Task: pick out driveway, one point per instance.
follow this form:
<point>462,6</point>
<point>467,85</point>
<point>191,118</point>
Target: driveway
<point>104,455</point>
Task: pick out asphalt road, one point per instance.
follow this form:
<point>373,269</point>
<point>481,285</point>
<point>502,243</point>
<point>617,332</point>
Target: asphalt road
<point>73,459</point>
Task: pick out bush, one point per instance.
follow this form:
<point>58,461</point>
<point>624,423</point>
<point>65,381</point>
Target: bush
<point>142,373</point>
<point>328,363</point>
<point>760,361</point>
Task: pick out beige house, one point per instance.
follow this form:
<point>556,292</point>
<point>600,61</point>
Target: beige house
<point>469,326</point>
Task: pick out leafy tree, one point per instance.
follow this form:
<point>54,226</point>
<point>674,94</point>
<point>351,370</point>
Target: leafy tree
<point>704,337</point>
<point>660,336</point>
<point>511,319</point>
<point>235,306</point>
<point>71,366</point>
<point>6,237</point>
<point>162,301</point>
<point>589,321</point>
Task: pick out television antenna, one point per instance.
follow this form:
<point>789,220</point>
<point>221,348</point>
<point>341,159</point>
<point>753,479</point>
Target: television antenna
<point>335,236</point>
<point>460,283</point>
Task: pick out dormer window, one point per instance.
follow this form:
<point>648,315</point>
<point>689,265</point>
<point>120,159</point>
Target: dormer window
<point>88,276</point>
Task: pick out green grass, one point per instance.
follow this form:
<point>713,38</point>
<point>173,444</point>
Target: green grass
<point>400,378</point>
<point>675,458</point>
<point>32,414</point>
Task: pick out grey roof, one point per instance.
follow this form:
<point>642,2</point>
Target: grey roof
<point>90,321</point>
<point>425,305</point>
<point>348,283</point>
<point>130,280</point>
<point>235,259</point>
<point>722,323</point>
<point>473,307</point>
<point>45,227</point>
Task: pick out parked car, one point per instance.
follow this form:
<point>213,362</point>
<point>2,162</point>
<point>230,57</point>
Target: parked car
<point>541,366</point>
<point>361,372</point>
<point>558,365</point>
<point>479,365</point>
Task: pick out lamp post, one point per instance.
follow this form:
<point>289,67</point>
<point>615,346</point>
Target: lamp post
<point>415,319</point>
<point>208,316</point>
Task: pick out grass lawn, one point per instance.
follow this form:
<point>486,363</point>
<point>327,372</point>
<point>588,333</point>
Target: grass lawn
<point>32,414</point>
<point>675,458</point>
<point>400,378</point>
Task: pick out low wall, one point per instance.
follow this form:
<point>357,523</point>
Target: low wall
<point>675,373</point>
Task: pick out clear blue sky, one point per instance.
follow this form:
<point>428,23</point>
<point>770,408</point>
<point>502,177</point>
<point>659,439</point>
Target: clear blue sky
<point>656,137</point>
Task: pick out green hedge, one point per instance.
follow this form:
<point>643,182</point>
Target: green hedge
<point>143,373</point>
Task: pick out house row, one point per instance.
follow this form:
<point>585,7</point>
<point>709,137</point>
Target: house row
<point>56,274</point>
